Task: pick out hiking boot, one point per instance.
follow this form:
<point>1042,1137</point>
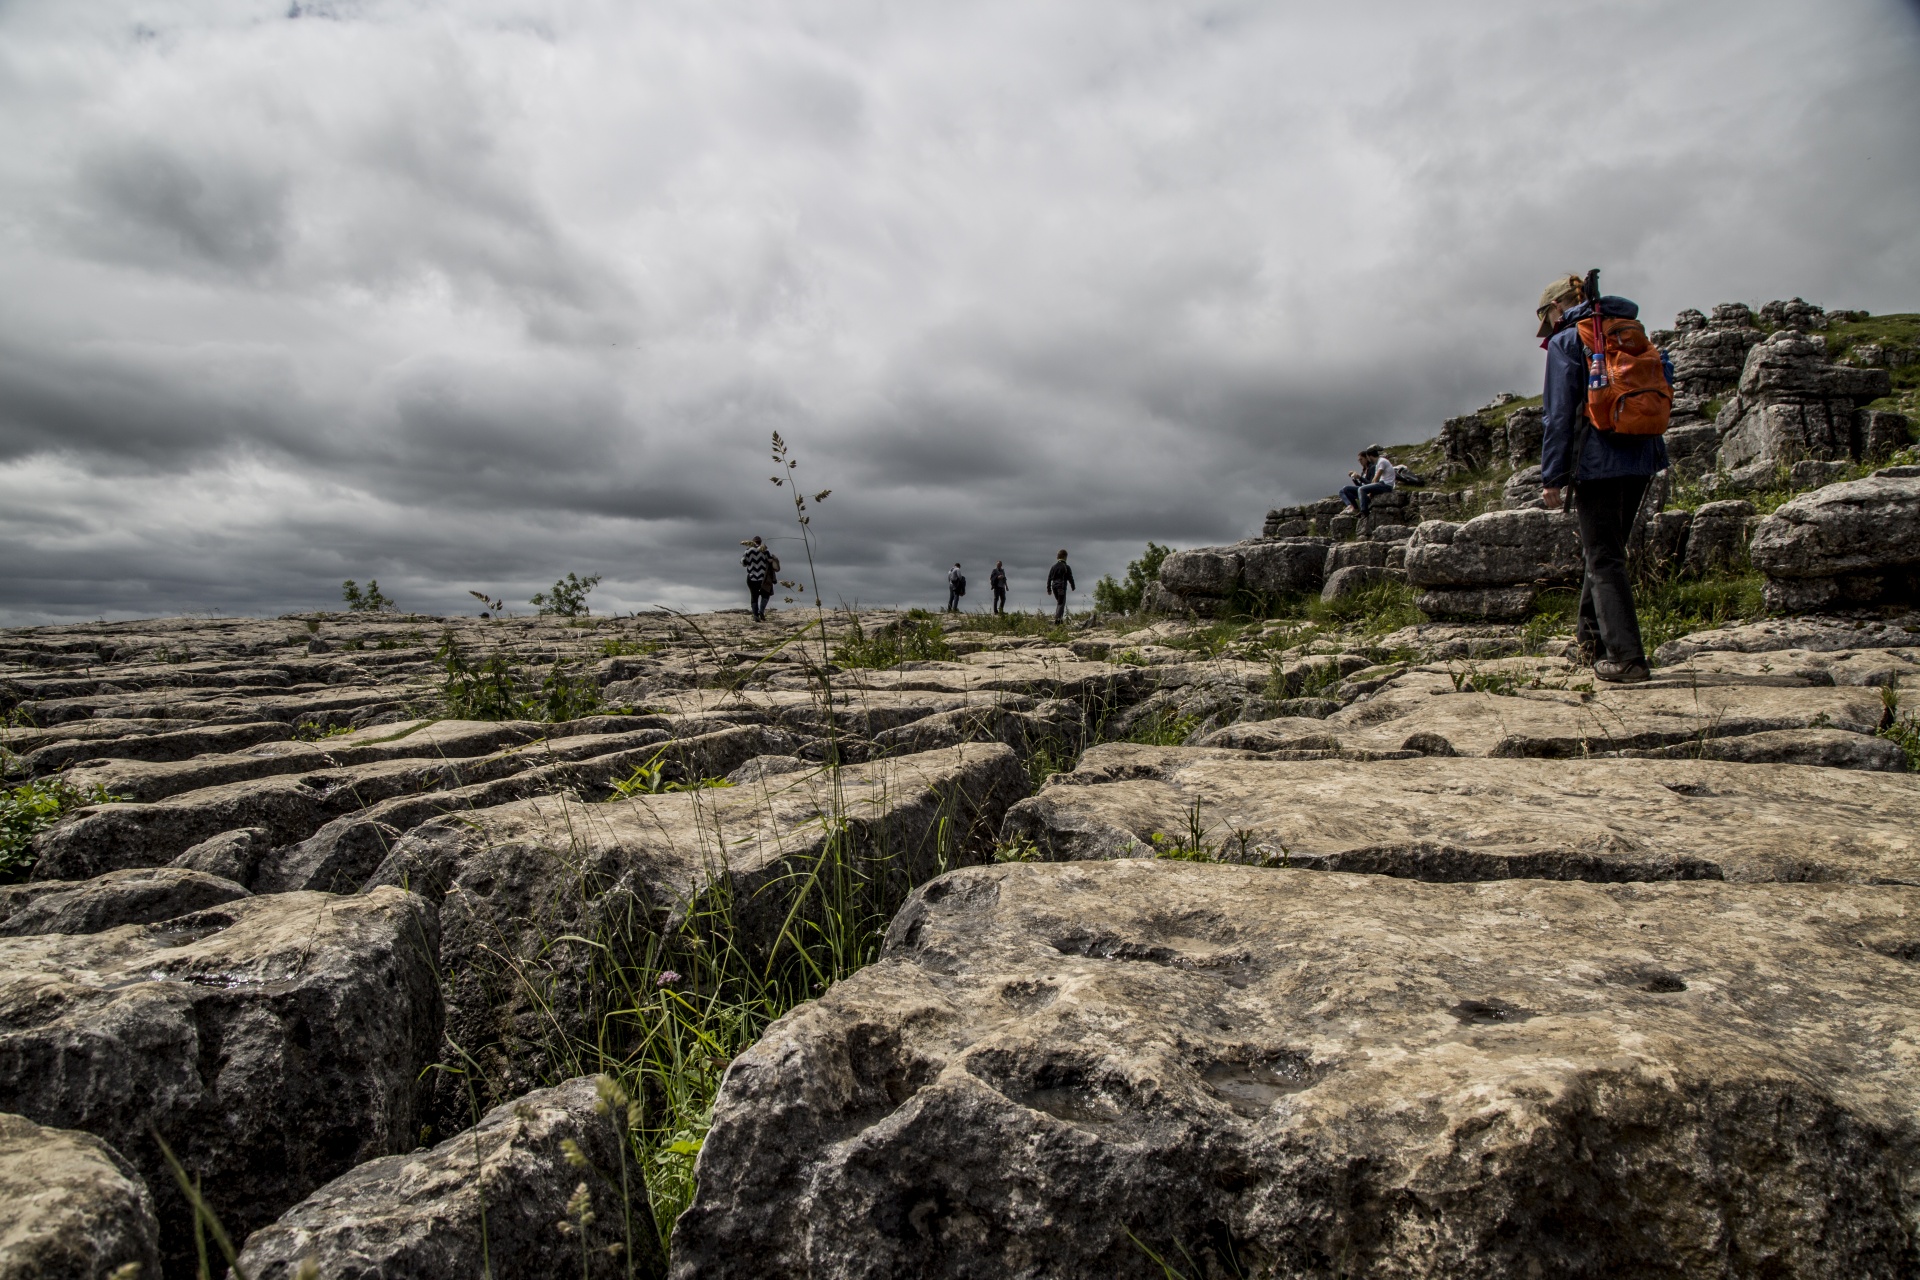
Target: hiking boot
<point>1614,671</point>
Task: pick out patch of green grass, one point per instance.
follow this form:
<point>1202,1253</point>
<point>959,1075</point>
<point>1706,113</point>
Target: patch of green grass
<point>1378,608</point>
<point>29,809</point>
<point>1014,624</point>
<point>917,637</point>
<point>493,689</point>
<point>618,648</point>
<point>314,731</point>
<point>649,779</point>
<point>1164,728</point>
<point>1669,610</point>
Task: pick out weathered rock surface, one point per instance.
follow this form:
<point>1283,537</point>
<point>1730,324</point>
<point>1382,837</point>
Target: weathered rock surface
<point>70,1206</point>
<point>1431,819</point>
<point>1498,549</point>
<point>1054,1069</point>
<point>515,882</point>
<point>1846,544</point>
<point>274,1042</point>
<point>1794,403</point>
<point>145,895</point>
<point>1814,634</point>
<point>484,1202</point>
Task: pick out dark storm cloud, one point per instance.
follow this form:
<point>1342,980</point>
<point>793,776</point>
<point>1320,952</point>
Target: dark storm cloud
<point>464,297</point>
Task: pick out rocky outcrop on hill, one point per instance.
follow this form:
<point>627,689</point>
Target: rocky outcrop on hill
<point>1080,1069</point>
<point>1794,403</point>
<point>73,1207</point>
<point>1848,544</point>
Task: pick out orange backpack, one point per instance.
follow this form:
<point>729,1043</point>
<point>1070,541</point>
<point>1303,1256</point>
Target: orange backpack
<point>1634,399</point>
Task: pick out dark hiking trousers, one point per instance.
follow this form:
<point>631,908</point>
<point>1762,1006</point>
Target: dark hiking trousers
<point>754,598</point>
<point>1361,496</point>
<point>1059,604</point>
<point>1605,509</point>
<point>999,599</point>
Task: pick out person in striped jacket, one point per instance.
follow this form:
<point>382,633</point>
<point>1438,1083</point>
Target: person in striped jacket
<point>758,563</point>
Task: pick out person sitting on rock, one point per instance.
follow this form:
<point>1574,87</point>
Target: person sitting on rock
<point>1607,473</point>
<point>1376,475</point>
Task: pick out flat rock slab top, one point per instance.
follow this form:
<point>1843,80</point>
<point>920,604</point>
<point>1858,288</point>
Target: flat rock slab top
<point>1566,721</point>
<point>1486,819</point>
<point>1055,1069</point>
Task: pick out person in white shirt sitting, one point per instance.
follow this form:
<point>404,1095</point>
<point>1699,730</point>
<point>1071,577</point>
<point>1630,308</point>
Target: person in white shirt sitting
<point>1376,475</point>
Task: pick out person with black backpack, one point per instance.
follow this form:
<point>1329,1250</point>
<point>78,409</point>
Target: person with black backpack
<point>997,581</point>
<point>1607,402</point>
<point>1059,582</point>
<point>956,587</point>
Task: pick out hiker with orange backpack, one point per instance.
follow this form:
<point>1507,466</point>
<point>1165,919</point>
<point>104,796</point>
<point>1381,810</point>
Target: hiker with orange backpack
<point>1608,399</point>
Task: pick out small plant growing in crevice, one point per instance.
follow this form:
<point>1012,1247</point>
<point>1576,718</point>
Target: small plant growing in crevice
<point>32,807</point>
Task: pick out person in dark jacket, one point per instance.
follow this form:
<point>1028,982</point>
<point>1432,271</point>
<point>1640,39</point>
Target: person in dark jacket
<point>758,562</point>
<point>1060,581</point>
<point>956,587</point>
<point>1607,475</point>
<point>998,581</point>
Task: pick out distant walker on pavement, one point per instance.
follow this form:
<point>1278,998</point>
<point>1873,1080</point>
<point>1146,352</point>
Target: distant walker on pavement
<point>1608,399</point>
<point>759,564</point>
<point>998,581</point>
<point>1375,476</point>
<point>1060,581</point>
<point>956,587</point>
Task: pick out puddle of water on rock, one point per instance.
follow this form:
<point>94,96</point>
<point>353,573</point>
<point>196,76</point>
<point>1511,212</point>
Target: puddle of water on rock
<point>1252,1088</point>
<point>1076,1106</point>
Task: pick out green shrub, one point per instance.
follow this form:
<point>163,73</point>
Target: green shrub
<point>568,598</point>
<point>1379,607</point>
<point>369,601</point>
<point>492,690</point>
<point>1110,596</point>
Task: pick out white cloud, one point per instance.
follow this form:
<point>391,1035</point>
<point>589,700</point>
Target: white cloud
<point>471,295</point>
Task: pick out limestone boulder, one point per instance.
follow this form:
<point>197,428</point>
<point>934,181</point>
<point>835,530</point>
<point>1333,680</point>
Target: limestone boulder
<point>1355,579</point>
<point>232,855</point>
<point>1717,537</point>
<point>143,895</point>
<point>1498,549</point>
<point>1202,571</point>
<point>1846,544</point>
<point>1708,361</point>
<point>1289,566</point>
<point>1447,819</point>
<point>274,1042</point>
<point>488,1201</point>
<point>73,1206</point>
<point>1078,1070</point>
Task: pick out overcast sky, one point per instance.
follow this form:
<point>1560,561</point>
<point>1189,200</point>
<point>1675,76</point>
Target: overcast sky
<point>469,295</point>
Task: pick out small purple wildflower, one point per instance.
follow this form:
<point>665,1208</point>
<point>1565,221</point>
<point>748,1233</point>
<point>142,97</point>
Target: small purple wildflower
<point>666,979</point>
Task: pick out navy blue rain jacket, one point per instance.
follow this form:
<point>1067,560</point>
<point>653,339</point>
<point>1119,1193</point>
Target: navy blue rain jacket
<point>1603,456</point>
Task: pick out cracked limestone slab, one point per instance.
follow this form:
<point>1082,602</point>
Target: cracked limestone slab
<point>1055,1069</point>
<point>533,894</point>
<point>1487,819</point>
